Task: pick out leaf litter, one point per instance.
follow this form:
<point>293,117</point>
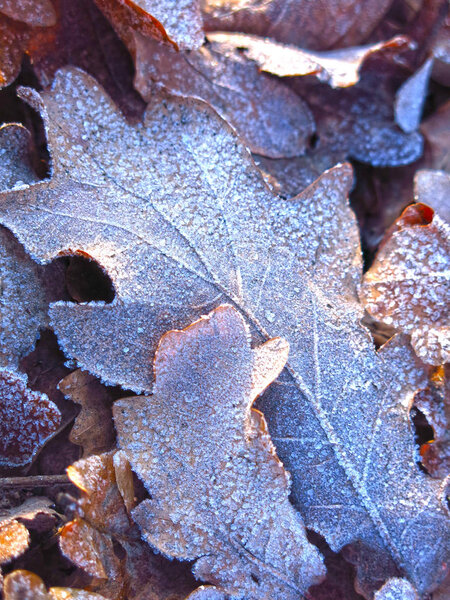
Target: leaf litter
<point>365,411</point>
<point>218,234</point>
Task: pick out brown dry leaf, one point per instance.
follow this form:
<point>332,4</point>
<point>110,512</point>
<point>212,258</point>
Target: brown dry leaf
<point>18,22</point>
<point>90,539</point>
<point>23,307</point>
<point>181,21</point>
<point>270,117</point>
<point>28,420</point>
<point>408,284</point>
<point>219,494</point>
<point>200,228</point>
<point>320,25</point>
<point>396,589</point>
<point>433,188</point>
<point>411,96</point>
<point>338,68</point>
<point>24,585</point>
<point>441,53</point>
<point>93,428</point>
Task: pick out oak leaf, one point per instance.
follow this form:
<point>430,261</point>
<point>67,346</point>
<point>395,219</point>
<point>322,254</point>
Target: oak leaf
<point>29,419</point>
<point>408,284</point>
<point>318,25</point>
<point>23,306</point>
<point>219,494</point>
<point>200,228</point>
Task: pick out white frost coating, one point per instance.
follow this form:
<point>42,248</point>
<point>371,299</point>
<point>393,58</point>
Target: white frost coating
<point>198,227</point>
<point>181,19</point>
<point>28,419</point>
<point>23,308</point>
<point>219,494</point>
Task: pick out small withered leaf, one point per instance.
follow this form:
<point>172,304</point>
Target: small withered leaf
<point>93,428</point>
<point>200,228</point>
<point>219,494</point>
<point>28,419</point>
<point>408,284</point>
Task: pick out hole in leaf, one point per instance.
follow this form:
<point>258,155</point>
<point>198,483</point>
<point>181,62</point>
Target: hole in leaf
<point>314,141</point>
<point>423,432</point>
<point>84,279</point>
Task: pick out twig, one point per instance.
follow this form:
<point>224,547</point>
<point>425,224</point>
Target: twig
<point>33,481</point>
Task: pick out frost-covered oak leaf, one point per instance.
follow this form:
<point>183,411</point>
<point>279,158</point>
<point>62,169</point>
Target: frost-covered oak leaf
<point>23,307</point>
<point>175,211</point>
<point>219,494</point>
<point>408,285</point>
<point>27,420</point>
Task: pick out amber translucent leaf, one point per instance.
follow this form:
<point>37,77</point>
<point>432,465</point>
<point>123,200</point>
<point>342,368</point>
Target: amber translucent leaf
<point>18,22</point>
<point>14,540</point>
<point>24,585</point>
<point>339,68</point>
<point>200,228</point>
<point>321,24</point>
<point>28,420</point>
<point>93,428</point>
<point>15,523</point>
<point>219,494</point>
<point>23,307</point>
<point>408,284</point>
<point>90,540</point>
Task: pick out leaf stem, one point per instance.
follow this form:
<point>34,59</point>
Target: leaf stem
<point>33,481</point>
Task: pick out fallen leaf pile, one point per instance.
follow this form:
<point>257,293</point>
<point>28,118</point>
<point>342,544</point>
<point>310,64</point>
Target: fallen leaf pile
<point>224,297</point>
